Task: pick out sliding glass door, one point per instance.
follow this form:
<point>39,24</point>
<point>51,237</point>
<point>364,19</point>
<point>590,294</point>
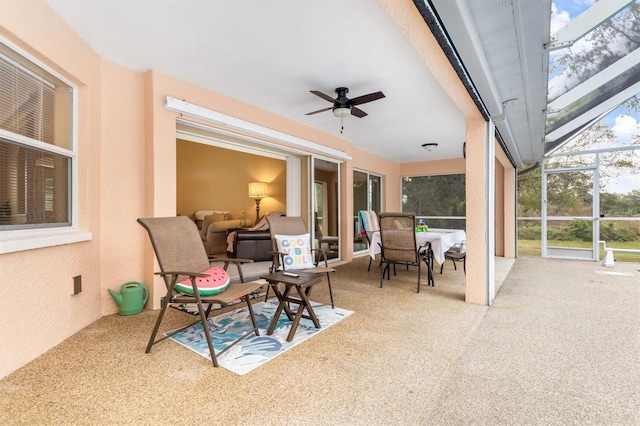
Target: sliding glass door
<point>367,195</point>
<point>326,206</point>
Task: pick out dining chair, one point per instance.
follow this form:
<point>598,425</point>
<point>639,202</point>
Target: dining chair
<point>292,250</point>
<point>426,252</point>
<point>189,277</point>
<point>398,243</point>
<point>457,252</point>
<point>368,224</point>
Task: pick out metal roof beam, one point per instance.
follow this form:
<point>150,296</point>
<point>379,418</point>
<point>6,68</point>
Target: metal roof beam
<point>594,112</point>
<point>591,84</point>
<point>585,22</point>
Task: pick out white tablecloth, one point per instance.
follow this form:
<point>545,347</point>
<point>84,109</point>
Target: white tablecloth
<point>441,240</point>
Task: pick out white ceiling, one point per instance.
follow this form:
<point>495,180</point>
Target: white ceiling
<point>272,53</point>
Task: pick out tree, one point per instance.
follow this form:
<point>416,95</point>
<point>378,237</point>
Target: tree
<point>442,195</point>
<point>605,45</point>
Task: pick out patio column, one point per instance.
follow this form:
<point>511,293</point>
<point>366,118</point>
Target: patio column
<point>480,198</point>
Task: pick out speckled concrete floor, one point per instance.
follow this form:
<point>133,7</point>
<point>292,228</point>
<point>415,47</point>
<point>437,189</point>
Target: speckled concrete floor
<point>560,345</point>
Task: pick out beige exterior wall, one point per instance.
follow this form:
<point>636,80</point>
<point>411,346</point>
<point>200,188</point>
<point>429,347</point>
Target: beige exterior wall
<point>476,193</point>
<point>38,283</point>
<point>127,169</point>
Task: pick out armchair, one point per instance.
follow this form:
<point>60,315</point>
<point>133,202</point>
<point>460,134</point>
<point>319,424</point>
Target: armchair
<point>214,225</point>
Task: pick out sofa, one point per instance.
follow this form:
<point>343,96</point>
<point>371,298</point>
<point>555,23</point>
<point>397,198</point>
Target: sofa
<point>254,245</point>
<point>214,226</point>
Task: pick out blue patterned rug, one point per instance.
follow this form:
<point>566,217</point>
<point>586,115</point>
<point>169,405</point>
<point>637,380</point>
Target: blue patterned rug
<point>253,351</point>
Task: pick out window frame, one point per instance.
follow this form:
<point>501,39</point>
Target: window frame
<point>48,234</point>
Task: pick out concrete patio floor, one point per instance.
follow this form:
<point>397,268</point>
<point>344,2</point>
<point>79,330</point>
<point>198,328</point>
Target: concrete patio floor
<point>560,345</point>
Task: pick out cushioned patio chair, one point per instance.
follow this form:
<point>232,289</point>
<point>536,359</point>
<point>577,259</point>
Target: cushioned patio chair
<point>189,277</point>
<point>282,229</point>
<point>456,253</point>
<point>398,243</point>
<point>367,225</point>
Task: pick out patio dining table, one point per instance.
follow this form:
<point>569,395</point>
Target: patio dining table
<point>441,240</point>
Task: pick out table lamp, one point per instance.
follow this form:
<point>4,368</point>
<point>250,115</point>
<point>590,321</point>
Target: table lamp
<point>258,191</point>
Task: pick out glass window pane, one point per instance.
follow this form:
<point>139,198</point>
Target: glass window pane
<point>34,187</point>
<point>33,103</point>
<point>620,184</point>
<point>606,44</point>
<point>437,198</point>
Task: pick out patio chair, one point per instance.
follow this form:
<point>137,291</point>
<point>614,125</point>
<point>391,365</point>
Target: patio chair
<point>398,243</point>
<point>456,253</point>
<point>183,259</point>
<point>285,259</point>
<point>427,256</point>
<point>330,241</point>
<point>367,225</point>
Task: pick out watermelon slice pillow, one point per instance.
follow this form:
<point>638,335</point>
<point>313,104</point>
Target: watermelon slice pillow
<point>217,282</point>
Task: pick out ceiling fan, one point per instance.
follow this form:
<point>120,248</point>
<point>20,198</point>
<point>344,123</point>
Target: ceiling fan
<point>343,106</point>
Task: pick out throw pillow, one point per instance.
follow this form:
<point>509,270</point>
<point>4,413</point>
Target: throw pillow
<point>217,282</point>
<point>297,249</point>
<point>234,215</point>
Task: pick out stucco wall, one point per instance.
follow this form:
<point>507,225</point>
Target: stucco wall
<point>122,164</point>
<point>38,309</point>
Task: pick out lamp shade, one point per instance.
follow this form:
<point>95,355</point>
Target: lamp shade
<point>258,190</point>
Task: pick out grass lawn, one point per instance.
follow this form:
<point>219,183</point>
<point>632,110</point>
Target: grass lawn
<point>533,248</point>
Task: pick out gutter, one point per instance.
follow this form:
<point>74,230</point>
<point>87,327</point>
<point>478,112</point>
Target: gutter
<point>434,22</point>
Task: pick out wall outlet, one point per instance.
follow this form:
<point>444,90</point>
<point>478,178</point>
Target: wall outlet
<point>77,284</point>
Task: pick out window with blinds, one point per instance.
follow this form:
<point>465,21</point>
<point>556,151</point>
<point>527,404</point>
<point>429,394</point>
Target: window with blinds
<point>36,145</point>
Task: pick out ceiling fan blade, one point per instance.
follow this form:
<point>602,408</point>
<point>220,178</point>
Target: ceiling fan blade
<point>358,112</point>
<point>367,98</point>
<point>323,96</point>
<point>320,110</point>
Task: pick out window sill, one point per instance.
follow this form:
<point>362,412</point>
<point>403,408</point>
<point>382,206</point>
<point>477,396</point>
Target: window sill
<point>11,242</point>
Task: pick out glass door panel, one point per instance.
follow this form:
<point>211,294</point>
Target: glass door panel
<point>570,222</point>
<point>326,197</point>
<point>360,202</point>
<point>367,195</point>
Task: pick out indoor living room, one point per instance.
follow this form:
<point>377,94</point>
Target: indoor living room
<point>216,175</point>
<point>212,188</point>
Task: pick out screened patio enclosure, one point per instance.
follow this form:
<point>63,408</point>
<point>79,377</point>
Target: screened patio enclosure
<point>588,200</point>
<point>589,179</point>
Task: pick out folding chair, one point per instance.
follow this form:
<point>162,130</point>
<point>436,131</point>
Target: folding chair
<point>399,247</point>
<point>283,259</point>
<point>183,259</point>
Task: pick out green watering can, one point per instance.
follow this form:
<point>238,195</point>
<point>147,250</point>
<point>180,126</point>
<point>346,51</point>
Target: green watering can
<point>132,297</point>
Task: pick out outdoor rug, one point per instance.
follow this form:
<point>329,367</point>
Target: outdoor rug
<point>253,351</point>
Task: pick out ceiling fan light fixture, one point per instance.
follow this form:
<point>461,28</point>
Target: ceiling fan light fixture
<point>342,111</point>
<point>429,146</point>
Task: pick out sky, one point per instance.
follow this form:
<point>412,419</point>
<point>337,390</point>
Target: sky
<point>625,125</point>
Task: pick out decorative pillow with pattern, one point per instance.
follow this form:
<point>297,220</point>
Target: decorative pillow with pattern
<point>297,249</point>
